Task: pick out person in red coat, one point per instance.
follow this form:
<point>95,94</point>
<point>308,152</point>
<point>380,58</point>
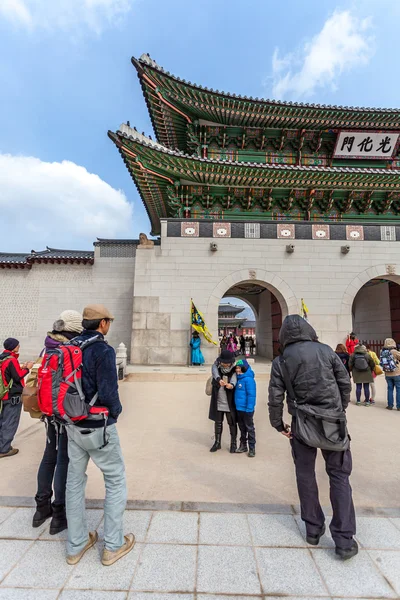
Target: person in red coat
<point>351,342</point>
<point>11,373</point>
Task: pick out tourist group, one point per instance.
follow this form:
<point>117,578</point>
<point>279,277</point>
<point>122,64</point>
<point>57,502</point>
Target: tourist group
<point>73,387</point>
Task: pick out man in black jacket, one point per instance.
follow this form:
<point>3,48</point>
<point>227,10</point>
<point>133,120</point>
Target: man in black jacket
<point>89,439</point>
<point>319,378</point>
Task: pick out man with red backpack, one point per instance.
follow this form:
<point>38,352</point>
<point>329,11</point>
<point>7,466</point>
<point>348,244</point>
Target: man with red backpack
<point>92,438</point>
<point>11,386</point>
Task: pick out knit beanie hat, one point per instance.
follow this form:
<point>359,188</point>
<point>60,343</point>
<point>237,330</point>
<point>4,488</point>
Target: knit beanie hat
<point>390,343</point>
<point>69,320</point>
<point>243,364</point>
<point>10,344</point>
<point>227,356</point>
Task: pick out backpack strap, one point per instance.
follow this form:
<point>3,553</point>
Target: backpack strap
<point>288,383</point>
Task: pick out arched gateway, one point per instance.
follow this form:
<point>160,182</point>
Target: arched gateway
<point>294,200</point>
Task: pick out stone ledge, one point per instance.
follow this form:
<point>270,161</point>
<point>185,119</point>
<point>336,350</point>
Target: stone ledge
<point>217,507</point>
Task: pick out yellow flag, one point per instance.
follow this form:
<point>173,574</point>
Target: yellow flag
<point>198,323</point>
<point>304,309</point>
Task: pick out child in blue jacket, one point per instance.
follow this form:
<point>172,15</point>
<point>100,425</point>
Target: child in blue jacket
<point>245,401</point>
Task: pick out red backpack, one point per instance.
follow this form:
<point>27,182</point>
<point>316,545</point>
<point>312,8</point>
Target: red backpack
<point>60,392</point>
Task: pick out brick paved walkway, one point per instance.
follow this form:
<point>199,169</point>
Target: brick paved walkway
<point>206,554</point>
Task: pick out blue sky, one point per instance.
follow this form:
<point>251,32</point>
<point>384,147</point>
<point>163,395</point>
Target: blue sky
<point>66,79</point>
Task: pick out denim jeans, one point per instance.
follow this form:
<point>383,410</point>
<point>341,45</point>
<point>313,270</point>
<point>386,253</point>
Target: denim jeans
<point>54,465</point>
<point>82,447</point>
<point>359,387</point>
<point>393,382</point>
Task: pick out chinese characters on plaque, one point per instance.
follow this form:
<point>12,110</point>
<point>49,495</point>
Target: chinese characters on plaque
<point>366,144</point>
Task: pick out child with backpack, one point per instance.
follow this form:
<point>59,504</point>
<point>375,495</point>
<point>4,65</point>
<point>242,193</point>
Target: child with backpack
<point>361,365</point>
<point>390,363</point>
<point>245,401</point>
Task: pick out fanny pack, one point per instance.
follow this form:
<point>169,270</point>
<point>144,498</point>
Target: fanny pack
<point>317,427</point>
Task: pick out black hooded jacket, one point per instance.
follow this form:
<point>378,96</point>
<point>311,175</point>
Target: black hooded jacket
<point>317,374</point>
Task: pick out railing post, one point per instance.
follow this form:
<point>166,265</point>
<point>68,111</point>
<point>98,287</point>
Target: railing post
<point>121,359</point>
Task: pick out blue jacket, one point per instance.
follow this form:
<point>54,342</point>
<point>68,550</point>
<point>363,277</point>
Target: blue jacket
<point>99,374</point>
<point>245,391</point>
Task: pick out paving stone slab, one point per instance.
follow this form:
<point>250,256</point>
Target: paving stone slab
<point>289,571</point>
<point>160,596</point>
<point>227,570</point>
<point>167,568</point>
<point>222,597</point>
<point>388,562</point>
<point>5,512</point>
<point>325,542</point>
<point>90,574</point>
<point>43,566</point>
<point>10,553</point>
<point>20,594</point>
<point>19,525</point>
<point>135,521</point>
<point>224,529</point>
<point>378,533</point>
<point>356,577</point>
<point>396,522</point>
<point>275,530</point>
<point>173,528</point>
<point>91,595</point>
<point>94,518</point>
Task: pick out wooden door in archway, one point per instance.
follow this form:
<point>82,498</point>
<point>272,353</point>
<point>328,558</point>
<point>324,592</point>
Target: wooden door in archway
<point>276,320</point>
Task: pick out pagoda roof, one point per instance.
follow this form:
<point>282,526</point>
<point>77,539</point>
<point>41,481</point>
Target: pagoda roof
<point>156,170</point>
<point>229,308</point>
<point>174,103</point>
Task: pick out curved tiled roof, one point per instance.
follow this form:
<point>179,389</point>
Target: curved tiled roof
<point>147,60</point>
<point>128,132</point>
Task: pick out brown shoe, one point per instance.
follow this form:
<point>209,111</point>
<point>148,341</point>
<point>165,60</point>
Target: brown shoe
<point>75,558</point>
<point>11,452</point>
<point>109,557</point>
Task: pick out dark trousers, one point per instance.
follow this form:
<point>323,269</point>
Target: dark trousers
<point>359,387</point>
<point>230,420</point>
<point>338,467</point>
<point>54,465</point>
<point>9,421</point>
<point>247,429</point>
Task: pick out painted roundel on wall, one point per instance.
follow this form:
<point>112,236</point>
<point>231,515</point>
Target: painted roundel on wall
<point>286,232</point>
<point>354,233</point>
<point>222,230</point>
<point>320,232</point>
<point>189,229</point>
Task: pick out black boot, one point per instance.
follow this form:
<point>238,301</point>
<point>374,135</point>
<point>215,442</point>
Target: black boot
<point>59,521</point>
<point>233,430</point>
<point>346,553</point>
<point>43,511</point>
<point>242,448</point>
<point>218,435</point>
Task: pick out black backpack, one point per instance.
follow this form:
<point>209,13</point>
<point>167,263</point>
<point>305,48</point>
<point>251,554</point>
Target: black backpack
<point>361,362</point>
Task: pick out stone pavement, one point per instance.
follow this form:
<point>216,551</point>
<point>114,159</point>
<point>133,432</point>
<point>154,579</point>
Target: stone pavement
<point>209,554</point>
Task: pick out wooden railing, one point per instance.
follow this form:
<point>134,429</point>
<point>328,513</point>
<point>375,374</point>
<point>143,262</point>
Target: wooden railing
<point>375,345</point>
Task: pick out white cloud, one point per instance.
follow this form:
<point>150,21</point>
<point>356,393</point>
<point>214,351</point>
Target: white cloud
<point>61,205</point>
<point>64,14</point>
<point>343,43</point>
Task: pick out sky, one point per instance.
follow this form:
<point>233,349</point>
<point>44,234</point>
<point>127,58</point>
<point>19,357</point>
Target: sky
<point>66,79</point>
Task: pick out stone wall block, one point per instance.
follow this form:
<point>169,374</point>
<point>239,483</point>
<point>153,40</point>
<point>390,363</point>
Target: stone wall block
<point>146,304</point>
<point>160,356</point>
<point>139,320</point>
<point>160,321</point>
<point>180,356</point>
<point>145,337</point>
<point>140,356</point>
<point>174,338</point>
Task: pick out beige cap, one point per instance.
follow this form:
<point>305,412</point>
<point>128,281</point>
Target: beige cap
<point>92,312</point>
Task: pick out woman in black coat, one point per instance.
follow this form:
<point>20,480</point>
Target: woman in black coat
<point>222,399</point>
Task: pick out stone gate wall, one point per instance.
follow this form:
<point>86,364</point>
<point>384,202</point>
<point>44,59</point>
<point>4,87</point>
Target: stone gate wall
<point>32,299</point>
